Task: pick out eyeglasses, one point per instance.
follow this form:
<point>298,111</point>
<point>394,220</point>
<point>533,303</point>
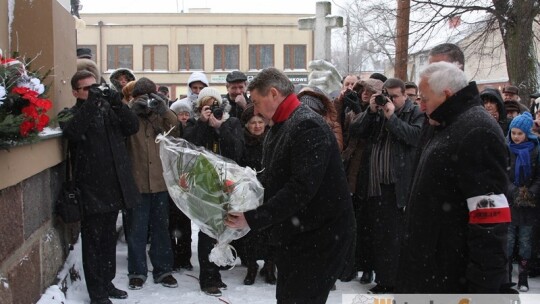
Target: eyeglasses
<point>86,88</point>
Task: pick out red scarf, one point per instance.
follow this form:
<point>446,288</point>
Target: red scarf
<point>285,108</point>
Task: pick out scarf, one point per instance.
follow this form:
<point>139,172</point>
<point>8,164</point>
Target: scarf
<point>285,108</point>
<point>523,161</point>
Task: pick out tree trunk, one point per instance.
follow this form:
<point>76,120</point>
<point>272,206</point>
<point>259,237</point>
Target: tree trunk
<point>402,38</point>
<point>517,33</point>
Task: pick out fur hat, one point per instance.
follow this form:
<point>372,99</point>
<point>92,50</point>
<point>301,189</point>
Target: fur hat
<point>181,106</point>
<point>524,122</point>
<point>372,84</point>
<point>511,106</point>
<point>143,86</point>
<point>378,76</point>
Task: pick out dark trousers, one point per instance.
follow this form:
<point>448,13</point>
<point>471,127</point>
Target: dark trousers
<point>98,235</point>
<point>180,233</point>
<point>386,223</point>
<point>209,272</point>
<point>317,300</point>
<point>363,260</point>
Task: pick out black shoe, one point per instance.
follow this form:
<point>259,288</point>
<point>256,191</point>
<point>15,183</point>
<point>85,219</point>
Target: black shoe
<point>367,277</point>
<point>102,301</point>
<point>251,274</point>
<point>136,283</point>
<point>115,293</point>
<point>168,281</point>
<point>212,291</point>
<point>349,277</point>
<point>378,289</point>
<point>221,285</point>
<point>269,273</point>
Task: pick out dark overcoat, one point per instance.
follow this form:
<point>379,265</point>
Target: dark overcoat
<point>102,167</point>
<point>306,204</point>
<point>452,244</point>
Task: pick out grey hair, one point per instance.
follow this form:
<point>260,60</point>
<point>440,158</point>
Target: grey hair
<point>271,78</point>
<point>443,75</point>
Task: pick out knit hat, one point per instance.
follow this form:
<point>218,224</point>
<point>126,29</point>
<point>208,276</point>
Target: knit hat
<point>143,86</point>
<point>208,91</point>
<point>524,122</point>
<point>180,106</point>
<point>313,102</point>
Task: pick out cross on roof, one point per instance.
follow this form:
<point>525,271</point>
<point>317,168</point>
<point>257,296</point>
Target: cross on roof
<point>322,25</point>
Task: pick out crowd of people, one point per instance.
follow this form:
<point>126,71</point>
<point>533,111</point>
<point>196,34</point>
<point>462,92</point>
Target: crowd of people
<point>427,187</point>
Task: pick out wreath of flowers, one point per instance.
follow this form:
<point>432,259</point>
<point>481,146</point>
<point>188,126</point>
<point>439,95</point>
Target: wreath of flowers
<point>23,105</point>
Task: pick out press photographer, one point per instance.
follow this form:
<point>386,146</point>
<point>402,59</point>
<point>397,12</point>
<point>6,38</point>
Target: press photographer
<point>154,117</point>
<point>96,129</point>
<point>391,126</point>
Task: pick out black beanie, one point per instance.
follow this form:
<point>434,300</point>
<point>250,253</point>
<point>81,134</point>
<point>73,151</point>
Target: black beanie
<point>143,86</point>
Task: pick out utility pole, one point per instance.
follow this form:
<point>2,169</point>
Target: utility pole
<point>402,38</point>
<point>348,33</point>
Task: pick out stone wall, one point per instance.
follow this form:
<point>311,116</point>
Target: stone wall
<point>34,242</point>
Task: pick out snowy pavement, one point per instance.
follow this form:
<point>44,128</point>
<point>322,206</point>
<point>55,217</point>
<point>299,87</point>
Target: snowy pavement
<point>188,290</point>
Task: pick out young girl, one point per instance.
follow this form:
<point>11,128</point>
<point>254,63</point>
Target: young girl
<point>523,191</point>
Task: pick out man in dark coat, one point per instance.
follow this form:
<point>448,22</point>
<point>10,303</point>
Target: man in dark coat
<point>96,129</point>
<point>306,199</point>
<point>494,104</point>
<point>457,215</point>
<point>392,130</point>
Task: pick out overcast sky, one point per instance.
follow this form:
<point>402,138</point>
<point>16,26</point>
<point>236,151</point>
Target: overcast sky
<point>216,6</point>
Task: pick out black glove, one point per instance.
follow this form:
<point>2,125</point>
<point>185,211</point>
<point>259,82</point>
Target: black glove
<point>352,101</point>
<point>161,106</point>
<point>94,94</point>
<point>115,99</point>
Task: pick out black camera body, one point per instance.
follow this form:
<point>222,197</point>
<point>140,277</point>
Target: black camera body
<point>217,111</point>
<point>152,102</point>
<point>104,89</point>
<point>381,100</point>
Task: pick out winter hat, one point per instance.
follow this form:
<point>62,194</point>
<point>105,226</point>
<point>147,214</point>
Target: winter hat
<point>511,106</point>
<point>379,76</point>
<point>143,86</point>
<point>206,92</point>
<point>372,84</point>
<point>524,122</point>
<point>511,89</point>
<point>236,76</point>
<point>181,106</point>
<point>313,102</point>
<point>248,113</point>
<point>84,53</point>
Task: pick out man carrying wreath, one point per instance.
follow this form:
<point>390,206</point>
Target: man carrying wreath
<point>307,204</point>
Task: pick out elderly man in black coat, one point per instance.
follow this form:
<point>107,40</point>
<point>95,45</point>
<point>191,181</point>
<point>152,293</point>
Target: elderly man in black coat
<point>96,129</point>
<point>306,200</point>
<point>457,215</point>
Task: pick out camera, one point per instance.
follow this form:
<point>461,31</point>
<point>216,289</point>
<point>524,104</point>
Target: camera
<point>381,100</point>
<point>217,111</point>
<point>104,89</point>
<point>153,102</point>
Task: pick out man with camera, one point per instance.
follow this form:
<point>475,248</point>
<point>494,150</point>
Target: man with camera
<point>96,128</point>
<point>213,129</point>
<point>392,126</point>
<point>151,216</point>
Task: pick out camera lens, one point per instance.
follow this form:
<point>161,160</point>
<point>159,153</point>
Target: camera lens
<point>152,103</point>
<point>217,112</point>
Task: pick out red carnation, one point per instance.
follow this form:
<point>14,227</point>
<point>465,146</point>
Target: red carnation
<point>43,122</point>
<point>26,127</point>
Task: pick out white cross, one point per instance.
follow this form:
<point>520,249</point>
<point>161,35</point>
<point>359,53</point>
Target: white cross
<point>322,25</point>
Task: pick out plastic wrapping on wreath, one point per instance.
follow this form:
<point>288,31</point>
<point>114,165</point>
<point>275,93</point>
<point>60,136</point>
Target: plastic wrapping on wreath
<point>206,187</point>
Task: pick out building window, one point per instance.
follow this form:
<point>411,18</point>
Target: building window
<point>93,49</point>
<point>190,57</point>
<point>261,56</point>
<point>295,57</point>
<point>226,57</point>
<point>155,57</point>
<point>119,56</point>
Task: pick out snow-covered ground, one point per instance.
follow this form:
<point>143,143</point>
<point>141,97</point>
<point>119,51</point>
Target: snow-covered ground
<point>188,290</point>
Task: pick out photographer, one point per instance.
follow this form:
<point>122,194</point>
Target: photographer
<point>213,129</point>
<point>96,128</point>
<point>151,216</point>
<point>392,127</point>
